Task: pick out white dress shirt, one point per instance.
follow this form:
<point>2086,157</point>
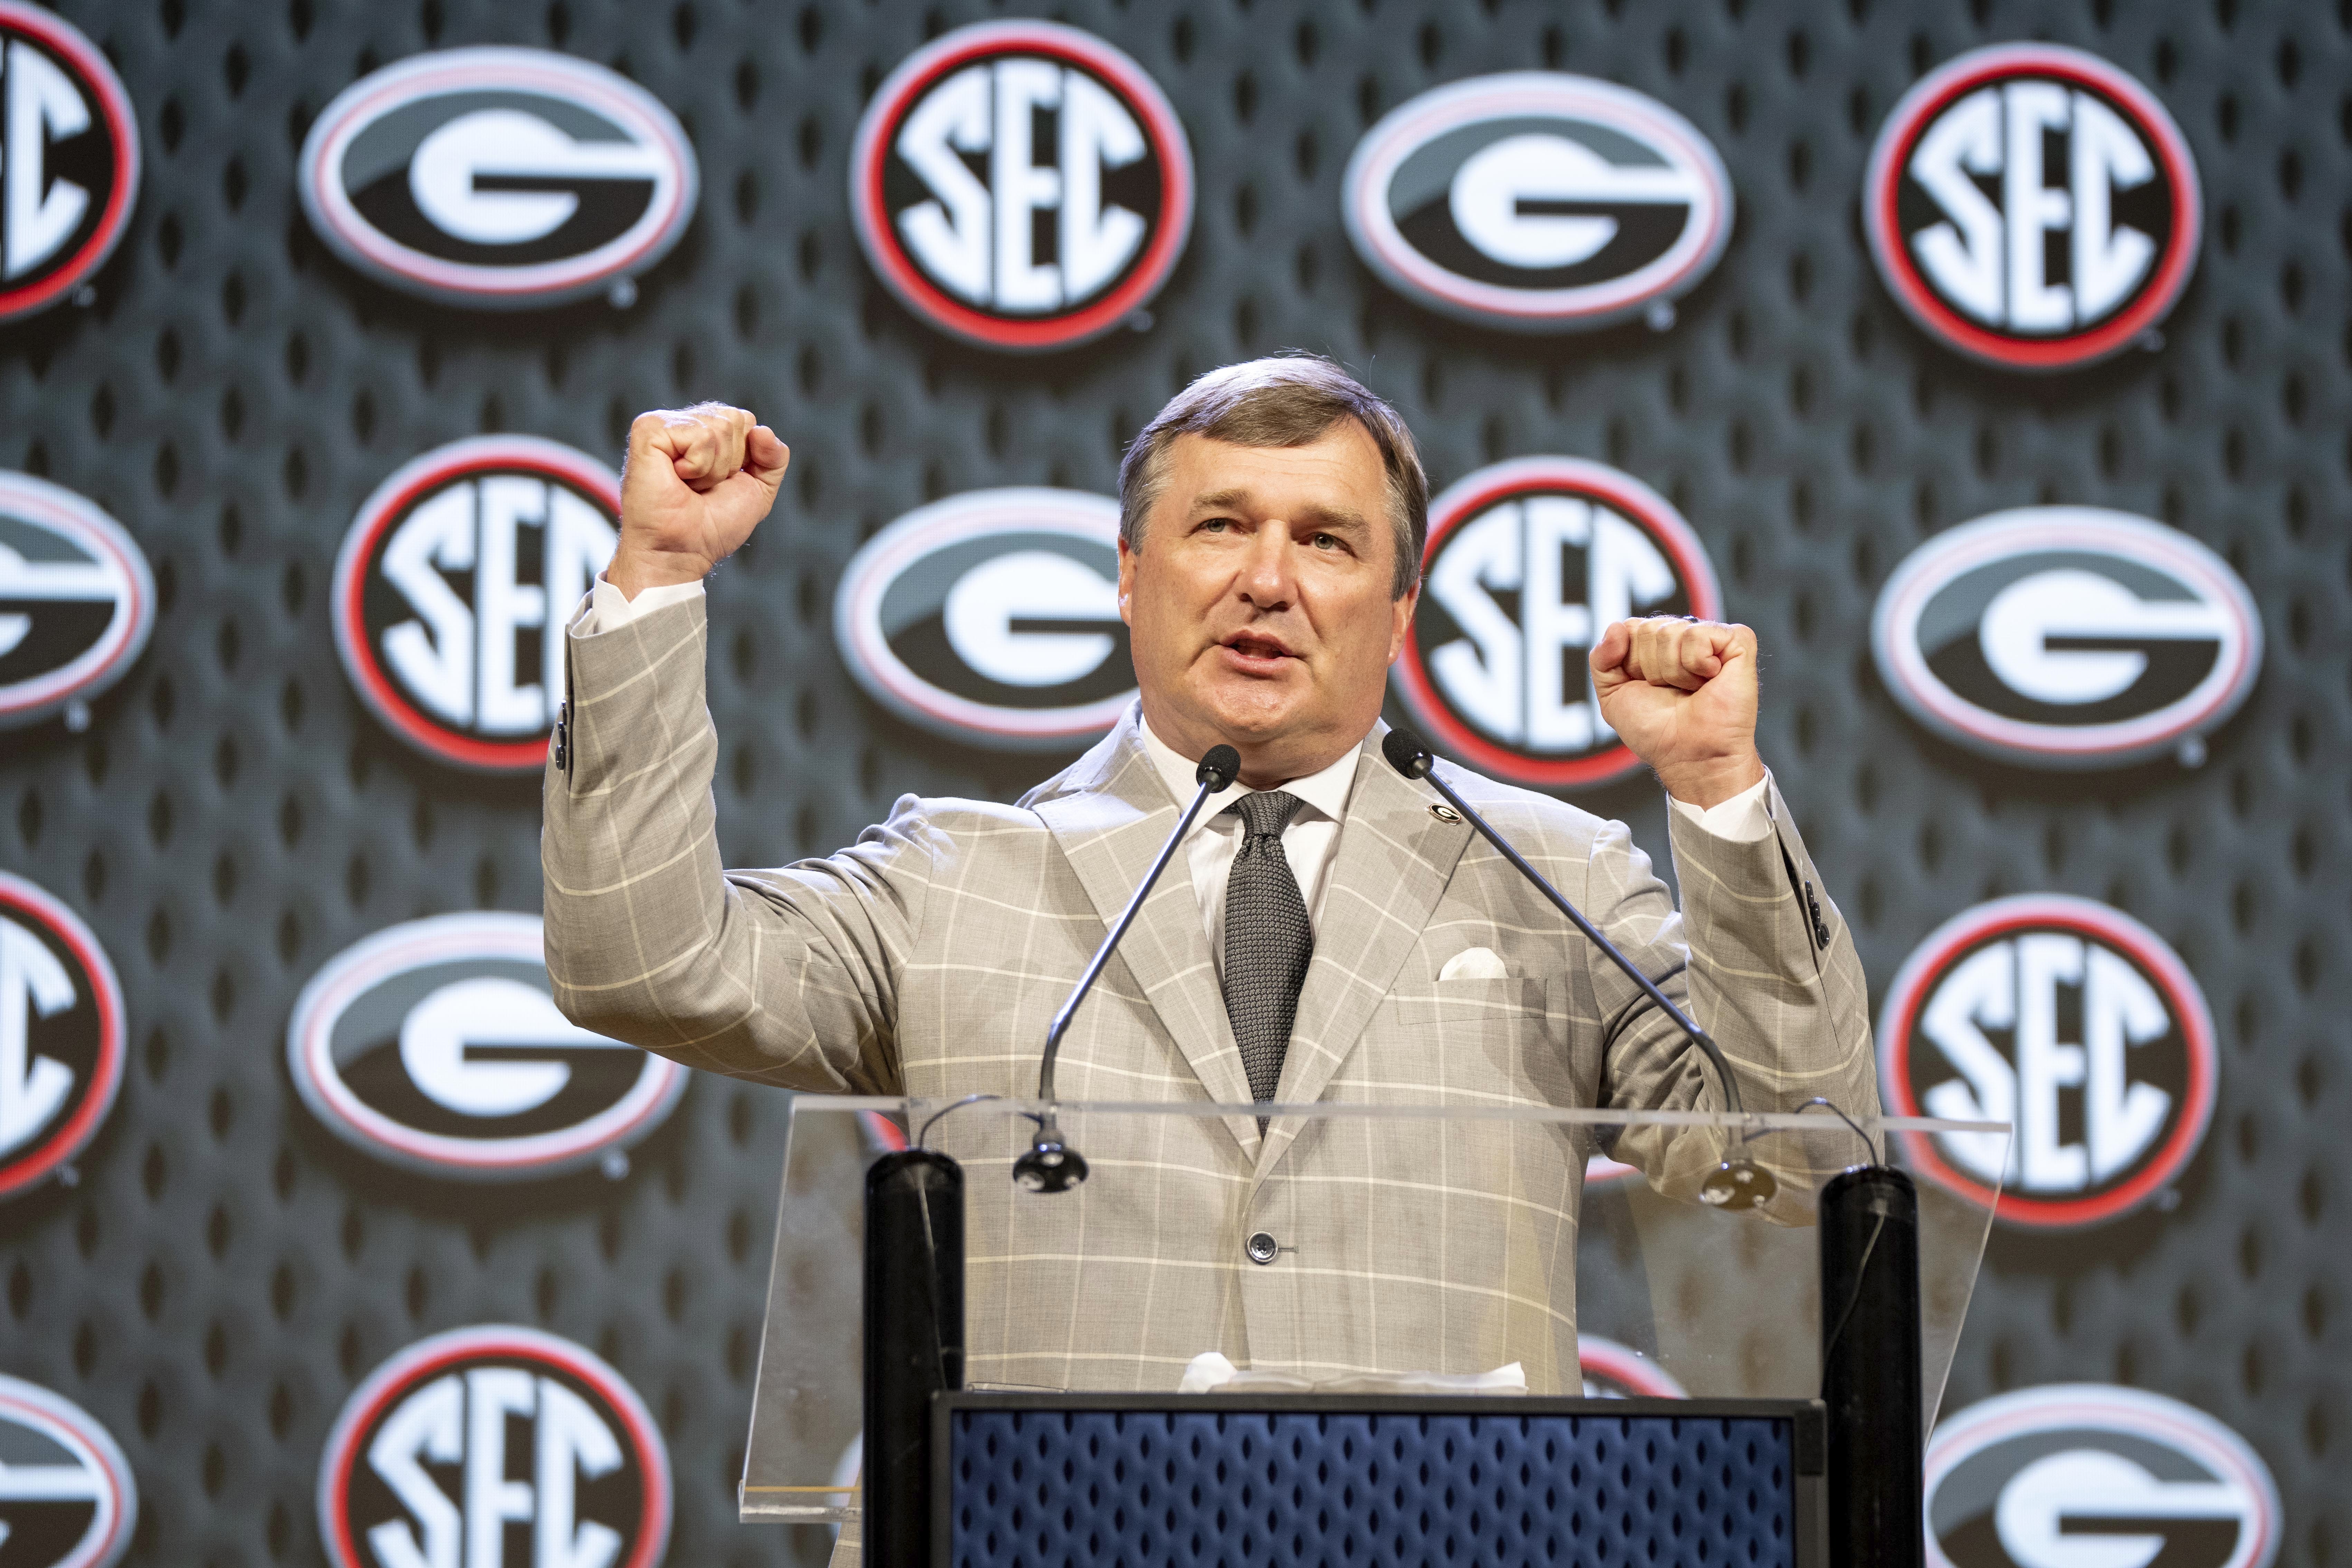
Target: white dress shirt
<point>1217,838</point>
<point>608,609</point>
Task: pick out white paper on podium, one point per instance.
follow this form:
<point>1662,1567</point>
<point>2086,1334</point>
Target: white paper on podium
<point>1212,1373</point>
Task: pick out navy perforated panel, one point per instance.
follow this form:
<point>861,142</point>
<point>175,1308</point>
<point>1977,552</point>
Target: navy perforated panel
<point>1097,1486</point>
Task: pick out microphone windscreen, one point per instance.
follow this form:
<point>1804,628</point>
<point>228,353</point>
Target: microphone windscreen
<point>1219,768</point>
<point>1405,753</point>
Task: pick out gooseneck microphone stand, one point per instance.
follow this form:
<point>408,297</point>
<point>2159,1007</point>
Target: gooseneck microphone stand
<point>914,1261</point>
<point>1737,1182</point>
<point>1051,1165</point>
<point>1868,1219</point>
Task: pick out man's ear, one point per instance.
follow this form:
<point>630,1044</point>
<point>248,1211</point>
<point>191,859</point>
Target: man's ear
<point>1401,621</point>
<point>1125,583</point>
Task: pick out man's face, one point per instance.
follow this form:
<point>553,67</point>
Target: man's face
<point>1259,602</point>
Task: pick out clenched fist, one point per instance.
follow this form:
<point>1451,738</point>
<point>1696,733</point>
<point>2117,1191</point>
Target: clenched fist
<point>696,482</point>
<point>1682,694</point>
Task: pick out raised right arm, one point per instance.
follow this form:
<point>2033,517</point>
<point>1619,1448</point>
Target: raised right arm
<point>787,976</point>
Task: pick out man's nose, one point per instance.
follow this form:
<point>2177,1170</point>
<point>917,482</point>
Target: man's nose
<point>1267,578</point>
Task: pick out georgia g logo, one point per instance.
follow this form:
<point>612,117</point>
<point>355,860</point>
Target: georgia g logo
<point>436,1045</point>
<point>1538,202</point>
<point>2089,1475</point>
<point>2068,638</point>
<point>68,159</point>
<point>1022,184</point>
<point>1527,562</point>
<point>66,1496</point>
<point>76,602</point>
<point>499,178</point>
<point>494,1445</point>
<point>2074,1022</point>
<point>61,1034</point>
<point>2032,206</point>
<point>991,618</point>
<point>452,588</point>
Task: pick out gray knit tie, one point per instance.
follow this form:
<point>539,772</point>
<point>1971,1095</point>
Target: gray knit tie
<point>1267,939</point>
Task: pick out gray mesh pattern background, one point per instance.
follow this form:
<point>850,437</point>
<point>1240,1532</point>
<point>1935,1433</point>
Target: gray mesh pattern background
<point>222,1273</point>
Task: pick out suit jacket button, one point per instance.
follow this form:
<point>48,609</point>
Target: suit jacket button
<point>1261,1248</point>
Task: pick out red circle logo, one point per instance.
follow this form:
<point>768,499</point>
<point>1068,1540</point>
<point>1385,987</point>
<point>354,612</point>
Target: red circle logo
<point>1022,184</point>
<point>61,1010</point>
<point>453,586</point>
<point>497,1433</point>
<point>2075,1023</point>
<point>69,157</point>
<point>2033,206</point>
<point>1527,562</point>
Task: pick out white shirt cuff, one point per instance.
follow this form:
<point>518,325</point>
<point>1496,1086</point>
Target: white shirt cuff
<point>609,609</point>
<point>1742,820</point>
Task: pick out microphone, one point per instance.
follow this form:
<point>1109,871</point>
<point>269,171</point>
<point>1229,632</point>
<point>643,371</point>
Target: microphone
<point>1051,1165</point>
<point>1736,1183</point>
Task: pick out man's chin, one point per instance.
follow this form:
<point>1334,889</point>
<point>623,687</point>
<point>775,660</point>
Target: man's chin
<point>1259,710</point>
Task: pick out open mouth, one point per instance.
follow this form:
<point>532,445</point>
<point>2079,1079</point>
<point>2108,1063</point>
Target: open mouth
<point>1257,651</point>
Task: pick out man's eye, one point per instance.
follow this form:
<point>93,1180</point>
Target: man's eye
<point>1327,541</point>
<point>1215,525</point>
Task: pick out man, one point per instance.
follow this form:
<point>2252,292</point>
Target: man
<point>1328,932</point>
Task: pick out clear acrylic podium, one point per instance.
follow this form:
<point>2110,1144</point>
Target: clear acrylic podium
<point>1580,1245</point>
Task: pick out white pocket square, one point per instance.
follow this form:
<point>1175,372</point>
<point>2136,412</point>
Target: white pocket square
<point>1477,963</point>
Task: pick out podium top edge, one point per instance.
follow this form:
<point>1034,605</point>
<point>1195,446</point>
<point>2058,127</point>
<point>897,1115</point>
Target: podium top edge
<point>1816,1120</point>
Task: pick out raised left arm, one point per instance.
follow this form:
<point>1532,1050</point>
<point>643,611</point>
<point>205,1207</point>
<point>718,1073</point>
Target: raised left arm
<point>1773,973</point>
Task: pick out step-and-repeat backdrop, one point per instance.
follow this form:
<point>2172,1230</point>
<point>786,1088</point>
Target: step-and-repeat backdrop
<point>1991,361</point>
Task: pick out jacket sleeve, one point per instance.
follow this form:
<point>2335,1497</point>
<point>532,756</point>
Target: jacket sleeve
<point>1763,962</point>
<point>786,976</point>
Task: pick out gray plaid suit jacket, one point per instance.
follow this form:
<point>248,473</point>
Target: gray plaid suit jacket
<point>928,958</point>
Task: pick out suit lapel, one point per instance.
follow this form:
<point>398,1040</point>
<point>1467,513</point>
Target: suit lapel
<point>1389,869</point>
<point>1110,813</point>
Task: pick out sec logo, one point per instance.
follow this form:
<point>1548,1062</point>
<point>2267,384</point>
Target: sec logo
<point>499,178</point>
<point>2077,1025</point>
<point>2089,1475</point>
<point>66,1496</point>
<point>1538,201</point>
<point>1527,562</point>
<point>76,602</point>
<point>452,588</point>
<point>2068,638</point>
<point>68,159</point>
<point>1022,184</point>
<point>992,618</point>
<point>2032,206</point>
<point>61,1034</point>
<point>494,1445</point>
<point>436,1045</point>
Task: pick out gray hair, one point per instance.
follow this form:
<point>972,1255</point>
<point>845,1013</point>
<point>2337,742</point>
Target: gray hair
<point>1289,400</point>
